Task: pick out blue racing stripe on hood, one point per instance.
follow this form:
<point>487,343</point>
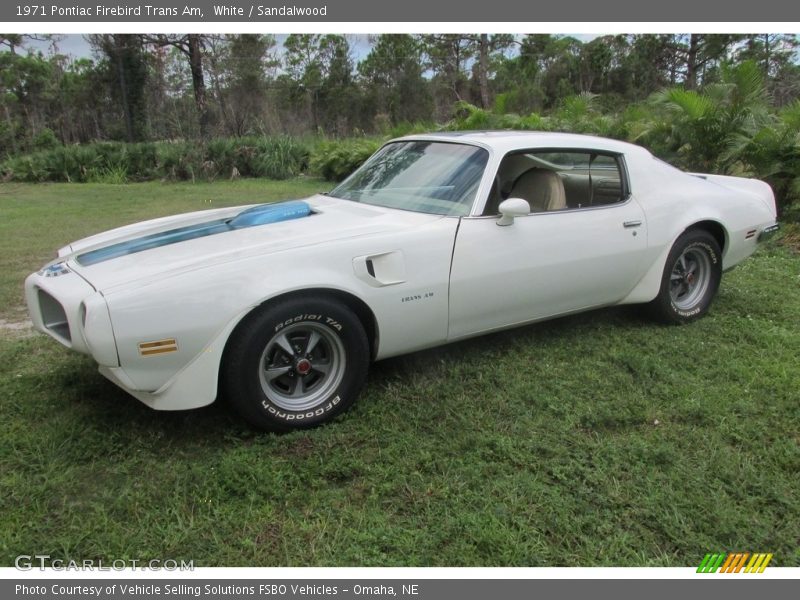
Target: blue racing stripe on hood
<point>252,217</point>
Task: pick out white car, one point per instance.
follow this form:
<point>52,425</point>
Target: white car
<point>436,238</point>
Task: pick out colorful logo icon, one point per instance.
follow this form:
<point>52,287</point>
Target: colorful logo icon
<point>734,563</point>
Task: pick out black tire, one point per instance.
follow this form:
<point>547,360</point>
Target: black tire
<point>690,280</point>
<point>276,391</point>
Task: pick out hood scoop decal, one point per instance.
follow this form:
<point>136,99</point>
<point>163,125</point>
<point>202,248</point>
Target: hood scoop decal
<point>252,217</point>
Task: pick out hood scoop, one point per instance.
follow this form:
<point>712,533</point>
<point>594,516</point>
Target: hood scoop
<point>269,213</point>
<point>252,217</point>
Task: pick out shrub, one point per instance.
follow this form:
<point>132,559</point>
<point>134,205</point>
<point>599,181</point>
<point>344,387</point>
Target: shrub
<point>113,175</point>
<point>45,139</point>
<point>27,168</point>
<point>279,158</point>
<point>180,160</point>
<point>467,116</point>
<point>335,160</point>
<point>140,160</point>
<point>221,158</point>
<point>406,128</point>
<point>272,157</point>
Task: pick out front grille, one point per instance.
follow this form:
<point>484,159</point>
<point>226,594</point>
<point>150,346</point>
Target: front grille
<point>53,316</point>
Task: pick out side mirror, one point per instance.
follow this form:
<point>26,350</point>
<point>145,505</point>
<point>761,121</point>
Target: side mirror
<point>513,207</point>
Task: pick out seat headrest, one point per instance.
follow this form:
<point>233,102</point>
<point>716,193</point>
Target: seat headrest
<point>543,189</point>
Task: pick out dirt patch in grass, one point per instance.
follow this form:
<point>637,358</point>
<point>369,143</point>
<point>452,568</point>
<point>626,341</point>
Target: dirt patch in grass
<point>791,237</point>
<point>301,447</point>
<point>16,329</point>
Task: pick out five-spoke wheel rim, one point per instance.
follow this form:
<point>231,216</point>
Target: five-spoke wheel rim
<point>690,278</point>
<point>301,366</point>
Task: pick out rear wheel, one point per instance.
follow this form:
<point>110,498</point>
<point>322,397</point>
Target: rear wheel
<point>691,278</point>
<point>296,364</point>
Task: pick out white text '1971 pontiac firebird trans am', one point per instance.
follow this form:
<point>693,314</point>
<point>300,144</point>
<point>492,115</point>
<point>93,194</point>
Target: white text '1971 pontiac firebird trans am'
<point>436,238</point>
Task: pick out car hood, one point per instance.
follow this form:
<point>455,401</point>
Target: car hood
<point>149,250</point>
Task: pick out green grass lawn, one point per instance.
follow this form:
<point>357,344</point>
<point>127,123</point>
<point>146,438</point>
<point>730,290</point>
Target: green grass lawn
<point>599,439</point>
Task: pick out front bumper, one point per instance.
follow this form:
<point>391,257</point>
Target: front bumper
<point>66,307</point>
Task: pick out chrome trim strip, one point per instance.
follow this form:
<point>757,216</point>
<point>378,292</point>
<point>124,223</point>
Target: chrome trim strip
<point>563,211</point>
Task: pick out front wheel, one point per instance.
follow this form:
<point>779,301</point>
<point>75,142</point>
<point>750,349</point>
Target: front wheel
<point>691,278</point>
<point>295,364</point>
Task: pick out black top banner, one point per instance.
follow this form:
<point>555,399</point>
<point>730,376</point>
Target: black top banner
<point>473,11</point>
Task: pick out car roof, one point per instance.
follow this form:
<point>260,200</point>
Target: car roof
<point>507,141</point>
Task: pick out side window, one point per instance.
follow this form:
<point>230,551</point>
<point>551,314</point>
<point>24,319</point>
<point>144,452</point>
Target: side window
<point>606,179</point>
<point>558,180</point>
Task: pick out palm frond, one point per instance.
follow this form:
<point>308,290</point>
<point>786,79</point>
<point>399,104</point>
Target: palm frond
<point>689,102</point>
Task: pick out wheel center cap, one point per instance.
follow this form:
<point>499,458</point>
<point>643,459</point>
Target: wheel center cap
<point>303,366</point>
<point>689,278</point>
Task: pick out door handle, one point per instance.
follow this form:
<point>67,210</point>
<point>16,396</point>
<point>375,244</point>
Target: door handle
<point>629,224</point>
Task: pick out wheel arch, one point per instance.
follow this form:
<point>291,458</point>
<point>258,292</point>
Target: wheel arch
<point>648,286</point>
<point>360,308</point>
<point>715,228</point>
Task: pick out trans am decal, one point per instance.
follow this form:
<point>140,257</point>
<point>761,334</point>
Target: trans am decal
<point>252,217</point>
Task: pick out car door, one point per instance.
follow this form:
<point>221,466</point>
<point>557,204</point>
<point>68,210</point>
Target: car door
<point>544,264</point>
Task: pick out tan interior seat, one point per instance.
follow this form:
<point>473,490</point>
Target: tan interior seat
<point>543,189</point>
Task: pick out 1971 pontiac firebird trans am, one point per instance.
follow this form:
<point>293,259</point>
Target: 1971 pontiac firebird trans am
<point>436,238</point>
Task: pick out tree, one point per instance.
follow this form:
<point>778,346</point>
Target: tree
<point>595,64</point>
<point>11,40</point>
<point>392,74</point>
<point>24,91</point>
<point>708,131</point>
<point>487,48</point>
<point>559,62</point>
<point>247,62</point>
<point>518,79</point>
<point>78,118</point>
<point>319,69</point>
<point>698,52</point>
<point>303,66</point>
<point>454,57</point>
<point>448,56</point>
<point>774,53</point>
<point>191,46</point>
<point>648,64</point>
<point>127,74</point>
<point>339,93</point>
<point>180,86</point>
<point>770,50</point>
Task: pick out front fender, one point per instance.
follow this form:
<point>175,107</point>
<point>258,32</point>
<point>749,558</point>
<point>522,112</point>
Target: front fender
<point>193,386</point>
<point>197,311</point>
<point>194,308</point>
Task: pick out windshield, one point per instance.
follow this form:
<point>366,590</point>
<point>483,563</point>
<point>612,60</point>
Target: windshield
<point>431,177</point>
